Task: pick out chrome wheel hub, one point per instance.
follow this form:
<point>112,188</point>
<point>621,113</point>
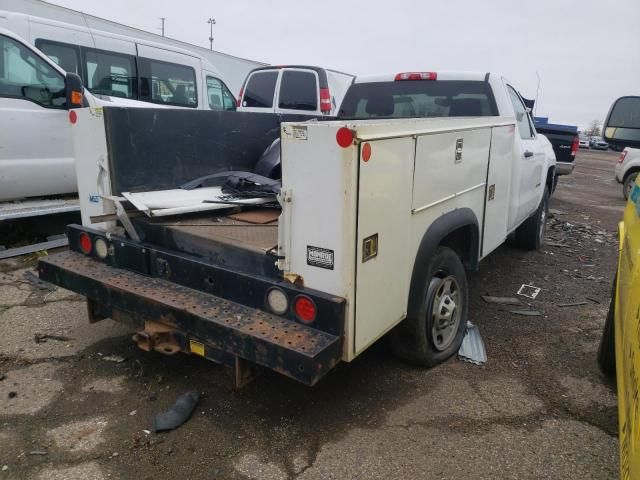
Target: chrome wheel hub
<point>445,311</point>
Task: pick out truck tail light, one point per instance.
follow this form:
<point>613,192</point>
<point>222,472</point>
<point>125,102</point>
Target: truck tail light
<point>305,309</point>
<point>416,76</point>
<point>623,155</point>
<point>84,242</point>
<point>325,100</point>
<point>575,145</point>
<point>239,99</point>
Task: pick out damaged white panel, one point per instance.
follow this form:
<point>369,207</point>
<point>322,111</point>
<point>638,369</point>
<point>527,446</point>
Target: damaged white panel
<point>177,201</point>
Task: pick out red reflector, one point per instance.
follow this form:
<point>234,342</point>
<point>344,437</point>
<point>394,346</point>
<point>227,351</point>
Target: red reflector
<point>325,100</point>
<point>73,117</point>
<point>85,243</point>
<point>366,152</point>
<point>622,156</point>
<point>575,145</point>
<point>239,99</point>
<point>417,76</point>
<point>344,137</point>
<point>305,309</point>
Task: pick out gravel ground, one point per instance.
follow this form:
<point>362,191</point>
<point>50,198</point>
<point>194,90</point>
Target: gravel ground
<point>538,409</point>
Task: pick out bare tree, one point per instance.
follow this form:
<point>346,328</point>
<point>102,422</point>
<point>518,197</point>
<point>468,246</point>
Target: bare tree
<point>594,129</point>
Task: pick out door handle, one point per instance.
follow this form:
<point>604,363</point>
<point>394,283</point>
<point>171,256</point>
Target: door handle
<point>528,154</point>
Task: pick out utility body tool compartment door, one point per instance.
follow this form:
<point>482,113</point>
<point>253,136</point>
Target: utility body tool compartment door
<point>498,189</point>
<point>449,165</point>
<point>382,258</point>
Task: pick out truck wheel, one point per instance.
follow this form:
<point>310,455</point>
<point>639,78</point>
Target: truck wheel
<point>435,332</point>
<point>530,235</point>
<point>628,184</point>
<point>607,349</point>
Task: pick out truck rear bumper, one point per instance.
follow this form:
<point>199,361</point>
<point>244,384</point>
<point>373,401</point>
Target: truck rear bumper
<point>564,168</point>
<point>226,330</point>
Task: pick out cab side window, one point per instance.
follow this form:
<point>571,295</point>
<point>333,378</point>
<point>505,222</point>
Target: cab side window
<point>220,98</point>
<point>23,74</point>
<point>522,116</point>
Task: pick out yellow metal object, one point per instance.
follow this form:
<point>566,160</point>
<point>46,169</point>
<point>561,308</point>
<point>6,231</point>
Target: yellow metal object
<point>196,347</point>
<point>627,331</point>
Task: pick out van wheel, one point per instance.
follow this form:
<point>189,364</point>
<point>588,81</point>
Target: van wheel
<point>434,333</point>
<point>607,349</point>
<point>530,235</point>
<point>628,184</point>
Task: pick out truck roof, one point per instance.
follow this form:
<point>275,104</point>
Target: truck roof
<point>390,77</point>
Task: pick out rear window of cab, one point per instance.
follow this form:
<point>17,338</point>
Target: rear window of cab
<point>419,99</point>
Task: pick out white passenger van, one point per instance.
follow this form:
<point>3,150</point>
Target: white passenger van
<point>36,158</point>
<point>299,89</point>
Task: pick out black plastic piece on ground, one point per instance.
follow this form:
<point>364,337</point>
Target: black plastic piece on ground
<point>177,414</point>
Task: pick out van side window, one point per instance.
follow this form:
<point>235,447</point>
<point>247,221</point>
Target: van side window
<point>109,73</point>
<point>260,90</point>
<point>67,56</point>
<point>298,90</point>
<point>167,83</point>
<point>522,116</point>
<point>220,98</point>
<point>23,74</point>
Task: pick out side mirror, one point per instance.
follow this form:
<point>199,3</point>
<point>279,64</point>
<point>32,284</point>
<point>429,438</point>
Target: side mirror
<point>73,91</point>
<point>622,126</point>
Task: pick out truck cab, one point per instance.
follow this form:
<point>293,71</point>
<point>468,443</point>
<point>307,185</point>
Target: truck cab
<point>462,94</point>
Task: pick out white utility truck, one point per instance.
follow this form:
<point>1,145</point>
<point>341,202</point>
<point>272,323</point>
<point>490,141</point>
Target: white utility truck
<point>368,231</point>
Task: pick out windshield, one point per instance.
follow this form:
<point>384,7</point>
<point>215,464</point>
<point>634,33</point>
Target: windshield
<point>419,98</point>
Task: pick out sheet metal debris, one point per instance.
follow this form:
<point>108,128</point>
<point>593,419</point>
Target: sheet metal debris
<point>574,304</point>
<point>527,313</point>
<point>529,291</point>
<point>472,349</point>
<point>501,300</point>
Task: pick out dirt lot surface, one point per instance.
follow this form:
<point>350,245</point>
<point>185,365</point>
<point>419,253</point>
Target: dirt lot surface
<point>72,408</point>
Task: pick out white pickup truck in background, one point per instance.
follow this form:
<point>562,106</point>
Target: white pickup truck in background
<point>627,169</point>
<point>369,232</point>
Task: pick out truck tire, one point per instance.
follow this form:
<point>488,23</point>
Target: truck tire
<point>607,349</point>
<point>434,333</point>
<point>530,235</point>
<point>629,182</point>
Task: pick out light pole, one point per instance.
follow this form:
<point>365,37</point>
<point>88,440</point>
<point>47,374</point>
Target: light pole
<point>163,19</point>
<point>211,22</point>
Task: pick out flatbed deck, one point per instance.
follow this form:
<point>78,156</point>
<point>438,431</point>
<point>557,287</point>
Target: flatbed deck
<point>224,239</point>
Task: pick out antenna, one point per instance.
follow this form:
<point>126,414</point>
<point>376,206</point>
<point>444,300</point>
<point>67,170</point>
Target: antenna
<point>162,19</point>
<point>211,22</point>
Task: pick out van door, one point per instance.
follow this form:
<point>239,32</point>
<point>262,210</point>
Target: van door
<point>528,162</point>
<point>260,91</point>
<point>170,78</point>
<point>36,155</point>
<point>298,92</point>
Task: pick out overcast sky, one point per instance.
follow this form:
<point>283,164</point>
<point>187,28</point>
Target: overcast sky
<point>587,53</point>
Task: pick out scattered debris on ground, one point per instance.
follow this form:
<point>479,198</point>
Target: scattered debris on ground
<point>472,349</point>
<point>527,313</point>
<point>528,291</point>
<point>501,300</point>
<point>177,413</point>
